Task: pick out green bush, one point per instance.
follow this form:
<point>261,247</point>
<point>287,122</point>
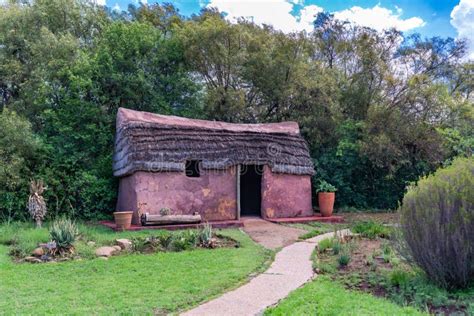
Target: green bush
<point>152,243</point>
<point>344,259</point>
<point>370,229</point>
<point>437,219</point>
<point>325,186</point>
<point>325,244</point>
<point>19,151</point>
<point>399,277</point>
<point>336,247</point>
<point>64,232</point>
<point>184,240</point>
<point>205,235</point>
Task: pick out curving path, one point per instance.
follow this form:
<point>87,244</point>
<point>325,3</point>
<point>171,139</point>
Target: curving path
<point>291,269</point>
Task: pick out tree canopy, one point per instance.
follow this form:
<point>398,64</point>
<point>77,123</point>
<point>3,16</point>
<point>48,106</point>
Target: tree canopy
<point>378,109</point>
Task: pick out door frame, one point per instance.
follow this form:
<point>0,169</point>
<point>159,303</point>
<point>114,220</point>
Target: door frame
<point>238,192</point>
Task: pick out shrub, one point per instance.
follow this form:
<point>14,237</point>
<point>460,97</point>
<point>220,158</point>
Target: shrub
<point>63,232</point>
<point>152,243</point>
<point>325,244</point>
<point>336,247</point>
<point>325,267</point>
<point>437,220</point>
<point>19,154</point>
<point>399,277</point>
<point>205,236</point>
<point>184,240</point>
<point>325,186</point>
<point>165,239</point>
<point>344,259</point>
<point>370,229</point>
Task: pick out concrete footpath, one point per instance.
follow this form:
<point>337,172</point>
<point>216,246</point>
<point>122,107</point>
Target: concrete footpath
<point>291,269</point>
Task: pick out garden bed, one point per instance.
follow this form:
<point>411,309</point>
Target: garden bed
<point>371,265</point>
<point>173,280</point>
<point>23,250</point>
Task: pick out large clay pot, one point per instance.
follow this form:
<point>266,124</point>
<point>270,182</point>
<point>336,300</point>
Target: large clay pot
<point>123,220</point>
<point>326,203</point>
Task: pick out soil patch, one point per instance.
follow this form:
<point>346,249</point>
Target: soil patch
<point>271,235</point>
<point>382,217</point>
<point>368,269</point>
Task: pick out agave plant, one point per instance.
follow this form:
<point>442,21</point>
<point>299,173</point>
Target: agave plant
<point>205,236</point>
<point>63,232</point>
<point>36,203</point>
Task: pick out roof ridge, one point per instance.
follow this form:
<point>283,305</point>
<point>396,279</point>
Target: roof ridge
<point>126,116</point>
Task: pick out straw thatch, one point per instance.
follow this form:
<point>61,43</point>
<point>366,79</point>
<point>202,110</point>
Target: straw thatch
<point>159,143</point>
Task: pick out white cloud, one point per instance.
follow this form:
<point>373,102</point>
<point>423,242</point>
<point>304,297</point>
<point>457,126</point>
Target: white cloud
<point>280,14</point>
<point>379,18</point>
<point>116,8</point>
<point>277,13</point>
<point>462,18</point>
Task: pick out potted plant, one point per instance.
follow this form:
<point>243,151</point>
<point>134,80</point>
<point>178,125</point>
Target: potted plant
<point>123,220</point>
<point>326,197</point>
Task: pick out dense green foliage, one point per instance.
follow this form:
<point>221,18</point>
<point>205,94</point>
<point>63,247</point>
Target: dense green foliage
<point>370,229</point>
<point>172,281</point>
<point>325,186</point>
<point>437,217</point>
<point>377,109</point>
<point>18,154</point>
<point>326,297</point>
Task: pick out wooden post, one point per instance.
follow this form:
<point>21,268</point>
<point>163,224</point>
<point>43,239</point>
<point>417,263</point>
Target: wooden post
<point>238,192</point>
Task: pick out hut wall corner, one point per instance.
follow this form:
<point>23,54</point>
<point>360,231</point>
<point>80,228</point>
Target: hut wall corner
<point>285,195</point>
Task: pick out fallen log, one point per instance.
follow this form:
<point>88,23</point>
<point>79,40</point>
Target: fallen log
<point>152,219</point>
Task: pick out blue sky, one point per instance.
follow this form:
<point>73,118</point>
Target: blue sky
<point>454,18</point>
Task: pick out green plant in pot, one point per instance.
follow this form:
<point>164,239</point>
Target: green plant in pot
<point>326,198</point>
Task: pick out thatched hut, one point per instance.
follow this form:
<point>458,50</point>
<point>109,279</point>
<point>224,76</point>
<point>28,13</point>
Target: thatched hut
<point>221,170</point>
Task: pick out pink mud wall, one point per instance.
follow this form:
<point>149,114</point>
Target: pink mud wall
<point>285,195</point>
<point>213,194</point>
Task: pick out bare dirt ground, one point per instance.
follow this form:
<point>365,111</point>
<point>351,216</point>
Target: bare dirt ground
<point>271,235</point>
<point>380,217</point>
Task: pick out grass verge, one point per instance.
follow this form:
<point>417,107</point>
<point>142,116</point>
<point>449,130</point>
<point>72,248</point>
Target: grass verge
<point>156,283</point>
<point>326,297</point>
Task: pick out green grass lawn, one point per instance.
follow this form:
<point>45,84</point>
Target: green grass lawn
<point>128,284</point>
<point>326,297</point>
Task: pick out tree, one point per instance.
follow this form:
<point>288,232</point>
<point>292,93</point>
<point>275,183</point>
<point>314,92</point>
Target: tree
<point>19,151</point>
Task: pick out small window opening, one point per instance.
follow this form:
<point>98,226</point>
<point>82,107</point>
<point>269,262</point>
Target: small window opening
<point>193,168</point>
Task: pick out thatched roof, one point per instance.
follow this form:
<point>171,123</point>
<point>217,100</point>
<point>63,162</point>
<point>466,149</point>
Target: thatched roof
<point>152,142</point>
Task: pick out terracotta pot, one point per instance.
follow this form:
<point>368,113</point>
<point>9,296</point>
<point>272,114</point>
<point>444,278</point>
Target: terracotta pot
<point>123,220</point>
<point>326,203</point>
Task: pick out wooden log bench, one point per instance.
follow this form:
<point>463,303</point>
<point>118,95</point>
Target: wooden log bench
<point>153,219</point>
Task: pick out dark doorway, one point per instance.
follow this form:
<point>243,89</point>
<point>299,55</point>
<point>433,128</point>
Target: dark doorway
<point>250,190</point>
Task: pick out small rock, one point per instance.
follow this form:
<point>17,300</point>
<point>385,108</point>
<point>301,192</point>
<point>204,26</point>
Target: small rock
<point>104,258</point>
<point>105,251</point>
<point>46,258</point>
<point>63,259</point>
<point>33,260</point>
<point>38,252</point>
<point>118,248</point>
<point>124,243</point>
<point>91,243</point>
